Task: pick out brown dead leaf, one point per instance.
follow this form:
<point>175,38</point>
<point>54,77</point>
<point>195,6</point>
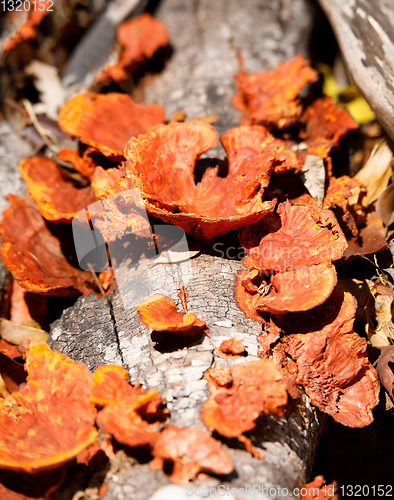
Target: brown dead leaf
<point>385,371</point>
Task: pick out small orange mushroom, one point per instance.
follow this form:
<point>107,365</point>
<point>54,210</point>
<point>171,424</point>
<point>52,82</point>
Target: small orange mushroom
<point>325,125</point>
<point>230,348</point>
<point>291,266</point>
<point>332,361</point>
<point>325,491</point>
<point>307,236</point>
<point>82,164</point>
<point>121,209</point>
<point>121,420</point>
<point>26,30</point>
<point>236,401</point>
<point>298,290</point>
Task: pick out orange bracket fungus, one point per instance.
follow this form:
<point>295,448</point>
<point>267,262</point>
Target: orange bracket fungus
<point>57,196</point>
<point>120,210</point>
<point>107,121</point>
<point>317,490</point>
<point>215,205</point>
<point>33,254</point>
<point>139,38</point>
<point>82,164</point>
<point>191,451</point>
<point>325,125</point>
<point>230,348</point>
<point>332,360</point>
<point>339,190</point>
<point>26,30</point>
<point>293,262</point>
<point>270,97</point>
<point>110,385</point>
<point>50,419</point>
<point>121,420</point>
<point>241,394</point>
<point>160,313</point>
<point>126,408</point>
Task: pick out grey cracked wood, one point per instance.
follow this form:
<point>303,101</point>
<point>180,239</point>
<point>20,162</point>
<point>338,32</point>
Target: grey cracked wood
<point>206,37</point>
<point>365,33</point>
<point>12,149</point>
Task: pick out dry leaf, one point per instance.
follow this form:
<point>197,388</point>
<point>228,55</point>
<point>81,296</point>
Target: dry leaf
<point>376,173</point>
<point>16,334</point>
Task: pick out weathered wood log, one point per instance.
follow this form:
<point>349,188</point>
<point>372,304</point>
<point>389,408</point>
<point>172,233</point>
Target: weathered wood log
<point>108,330</point>
<point>365,33</point>
<point>206,37</point>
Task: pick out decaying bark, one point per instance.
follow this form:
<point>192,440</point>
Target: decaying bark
<point>365,32</point>
<point>206,36</point>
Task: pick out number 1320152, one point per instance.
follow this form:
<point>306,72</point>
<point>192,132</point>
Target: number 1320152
<point>26,5</point>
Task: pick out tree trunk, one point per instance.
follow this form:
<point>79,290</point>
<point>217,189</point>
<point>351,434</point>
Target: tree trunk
<point>206,37</point>
<point>365,33</point>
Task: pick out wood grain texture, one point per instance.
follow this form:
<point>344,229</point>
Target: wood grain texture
<point>365,33</point>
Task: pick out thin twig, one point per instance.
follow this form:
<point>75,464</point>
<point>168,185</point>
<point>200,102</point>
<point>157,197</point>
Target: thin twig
<point>46,135</point>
